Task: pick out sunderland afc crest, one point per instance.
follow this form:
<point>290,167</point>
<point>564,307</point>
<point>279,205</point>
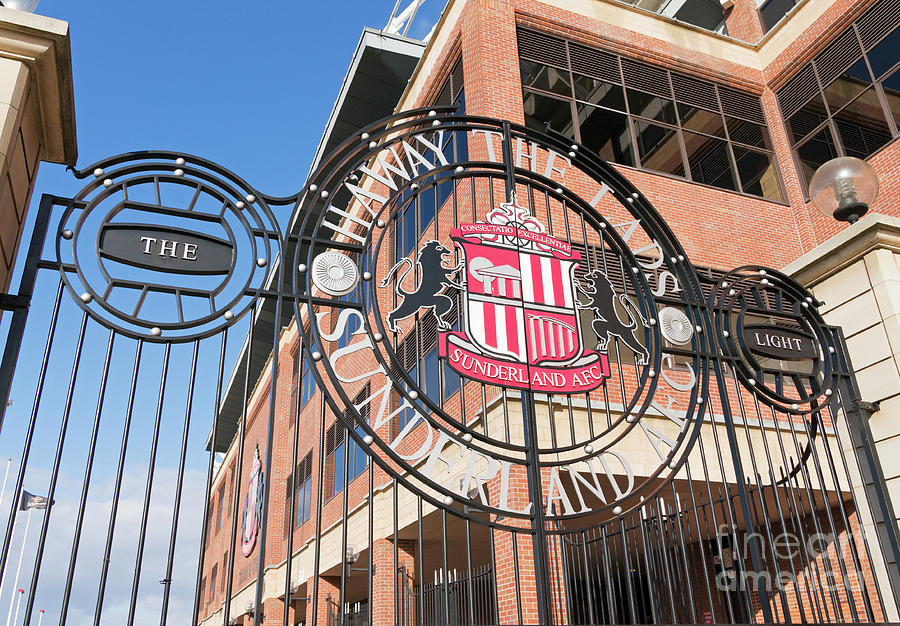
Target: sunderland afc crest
<point>521,307</point>
<point>253,503</point>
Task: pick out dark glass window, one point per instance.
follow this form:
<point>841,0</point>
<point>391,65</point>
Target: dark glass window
<point>308,386</point>
<point>606,133</point>
<point>545,78</point>
<point>807,119</point>
<point>599,92</point>
<point>658,148</point>
<point>620,114</point>
<point>772,11</point>
<point>758,173</point>
<point>710,161</point>
<point>653,107</point>
<point>857,112</point>
<point>540,110</point>
<point>848,85</point>
<point>815,151</point>
<point>700,120</point>
<point>885,55</point>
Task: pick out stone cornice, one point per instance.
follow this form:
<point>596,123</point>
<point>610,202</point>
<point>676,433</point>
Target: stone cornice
<point>875,231</point>
<point>43,44</point>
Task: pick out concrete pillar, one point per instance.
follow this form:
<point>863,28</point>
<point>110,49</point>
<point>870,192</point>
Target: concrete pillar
<point>37,116</point>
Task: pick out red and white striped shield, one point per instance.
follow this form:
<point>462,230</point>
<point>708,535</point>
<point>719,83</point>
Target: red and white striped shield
<point>520,300</point>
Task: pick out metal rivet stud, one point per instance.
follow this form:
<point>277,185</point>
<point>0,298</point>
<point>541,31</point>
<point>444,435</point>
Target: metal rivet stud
<point>726,333</point>
<point>380,223</point>
<point>681,257</point>
<point>316,356</point>
<point>795,406</point>
<point>467,437</point>
<point>762,272</point>
<point>301,267</point>
<point>635,195</point>
<point>86,297</point>
<point>574,147</point>
<point>700,400</point>
<point>414,186</point>
<point>589,449</point>
<point>630,199</point>
<point>251,198</point>
<point>313,187</point>
<point>432,113</point>
<point>617,510</point>
<point>831,349</point>
<point>635,270</point>
<point>629,418</point>
<point>724,284</point>
<point>107,183</point>
<point>805,305</point>
<point>651,373</point>
<point>828,392</point>
<point>460,169</point>
<point>674,260</point>
<point>602,224</point>
<point>261,262</point>
<point>98,172</point>
<point>367,275</point>
<point>179,161</point>
<point>572,155</point>
<point>809,299</point>
<point>653,321</point>
<point>373,145</point>
<point>752,381</point>
<point>364,136</point>
<point>559,190</point>
<point>156,331</point>
<point>377,336</point>
<point>67,234</point>
<point>699,329</point>
<point>673,464</point>
<point>731,292</point>
<point>368,439</point>
<point>179,172</point>
<point>448,500</point>
<point>764,281</point>
<point>436,123</point>
<point>414,394</point>
<point>229,315</point>
<point>324,193</point>
<point>239,204</point>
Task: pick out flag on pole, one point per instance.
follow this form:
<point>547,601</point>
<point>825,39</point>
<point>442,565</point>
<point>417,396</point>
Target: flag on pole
<point>31,501</point>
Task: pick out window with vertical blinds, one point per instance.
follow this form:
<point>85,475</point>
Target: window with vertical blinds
<point>846,101</point>
<point>639,115</point>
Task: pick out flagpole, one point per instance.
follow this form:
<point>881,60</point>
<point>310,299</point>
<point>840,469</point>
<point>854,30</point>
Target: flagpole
<point>5,476</point>
<point>18,604</point>
<point>19,568</point>
<point>6,569</point>
<point>41,618</point>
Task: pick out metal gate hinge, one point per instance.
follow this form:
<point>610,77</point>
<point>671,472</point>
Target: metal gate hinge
<point>9,302</point>
<point>869,408</point>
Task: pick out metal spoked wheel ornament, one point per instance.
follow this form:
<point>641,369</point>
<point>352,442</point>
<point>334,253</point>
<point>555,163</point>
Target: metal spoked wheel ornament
<point>451,232</point>
<point>166,247</point>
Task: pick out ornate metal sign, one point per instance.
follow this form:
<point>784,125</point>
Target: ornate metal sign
<point>253,505</point>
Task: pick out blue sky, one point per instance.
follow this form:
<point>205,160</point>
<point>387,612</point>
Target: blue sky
<point>249,85</point>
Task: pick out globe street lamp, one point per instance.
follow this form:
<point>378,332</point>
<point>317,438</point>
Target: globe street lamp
<point>20,5</point>
<point>843,188</point>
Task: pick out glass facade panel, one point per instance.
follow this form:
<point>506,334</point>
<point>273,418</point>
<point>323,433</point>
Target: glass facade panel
<point>599,92</point>
<point>807,119</point>
<point>539,110</point>
<point>885,55</point>
<point>652,107</point>
<point>701,120</point>
<point>748,133</point>
<point>862,127</point>
<point>545,78</point>
<point>891,87</point>
<point>847,86</point>
<point>815,151</point>
<point>710,161</point>
<point>758,173</point>
<point>658,148</point>
<point>606,132</point>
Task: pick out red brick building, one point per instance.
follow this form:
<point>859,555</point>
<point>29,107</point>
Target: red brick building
<point>719,115</point>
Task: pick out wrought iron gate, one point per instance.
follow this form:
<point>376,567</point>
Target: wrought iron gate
<point>466,375</point>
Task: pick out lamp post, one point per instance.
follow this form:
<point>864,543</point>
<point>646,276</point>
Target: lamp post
<point>843,188</point>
